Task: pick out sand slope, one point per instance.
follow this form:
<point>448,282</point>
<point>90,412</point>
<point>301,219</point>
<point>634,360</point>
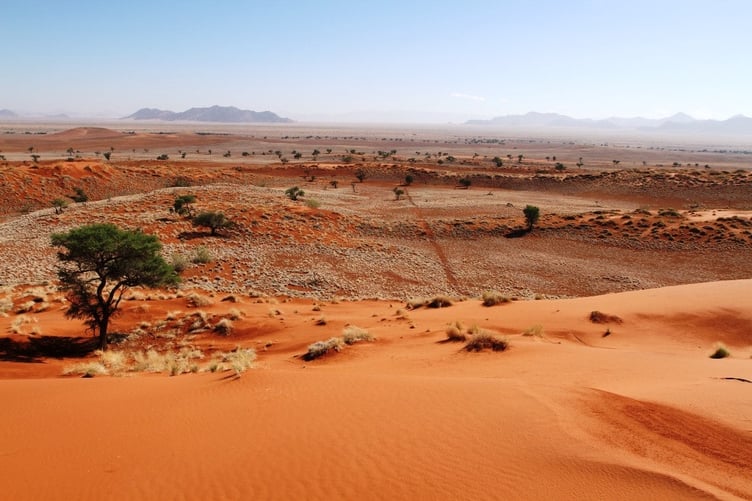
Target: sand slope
<point>642,413</point>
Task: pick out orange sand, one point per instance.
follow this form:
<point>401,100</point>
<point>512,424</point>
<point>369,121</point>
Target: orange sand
<point>640,414</point>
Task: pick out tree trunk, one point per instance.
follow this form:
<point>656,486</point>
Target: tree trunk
<point>103,333</point>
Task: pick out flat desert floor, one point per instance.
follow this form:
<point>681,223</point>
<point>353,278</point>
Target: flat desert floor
<point>610,309</point>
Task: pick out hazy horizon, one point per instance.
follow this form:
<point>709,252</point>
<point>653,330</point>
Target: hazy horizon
<point>312,60</point>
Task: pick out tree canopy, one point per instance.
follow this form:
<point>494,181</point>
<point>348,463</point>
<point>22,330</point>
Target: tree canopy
<point>532,213</point>
<point>215,221</point>
<point>183,205</point>
<point>99,262</point>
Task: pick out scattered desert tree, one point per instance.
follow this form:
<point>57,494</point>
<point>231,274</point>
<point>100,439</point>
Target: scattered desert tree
<point>59,204</point>
<point>409,180</point>
<point>294,193</point>
<point>532,213</point>
<point>361,175</point>
<point>498,161</point>
<point>183,205</point>
<point>398,192</point>
<point>80,196</point>
<point>465,182</point>
<point>215,221</point>
<point>99,262</point>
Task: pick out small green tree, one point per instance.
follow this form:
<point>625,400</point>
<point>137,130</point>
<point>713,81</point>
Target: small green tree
<point>361,175</point>
<point>409,180</point>
<point>215,221</point>
<point>294,193</point>
<point>465,182</point>
<point>398,192</point>
<point>80,196</point>
<point>532,213</point>
<point>498,161</point>
<point>107,155</point>
<point>183,205</point>
<point>99,262</point>
<point>59,204</point>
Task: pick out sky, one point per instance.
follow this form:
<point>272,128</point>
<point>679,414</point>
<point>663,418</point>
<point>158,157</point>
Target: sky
<point>414,59</point>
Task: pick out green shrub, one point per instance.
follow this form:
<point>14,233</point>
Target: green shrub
<point>202,256</point>
<point>720,351</point>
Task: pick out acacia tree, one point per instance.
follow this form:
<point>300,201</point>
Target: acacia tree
<point>183,205</point>
<point>294,193</point>
<point>215,221</point>
<point>99,262</point>
<point>59,204</point>
<point>532,213</point>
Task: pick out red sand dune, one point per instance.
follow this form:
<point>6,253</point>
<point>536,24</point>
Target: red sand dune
<point>570,414</point>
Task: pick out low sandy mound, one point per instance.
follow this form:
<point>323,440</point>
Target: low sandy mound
<point>564,412</point>
<point>85,133</point>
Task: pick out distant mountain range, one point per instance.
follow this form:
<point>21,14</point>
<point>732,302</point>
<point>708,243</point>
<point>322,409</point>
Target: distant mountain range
<point>680,123</point>
<point>7,114</point>
<point>221,114</point>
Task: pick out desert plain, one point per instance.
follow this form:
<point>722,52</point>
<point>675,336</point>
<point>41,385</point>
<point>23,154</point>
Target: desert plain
<point>318,348</point>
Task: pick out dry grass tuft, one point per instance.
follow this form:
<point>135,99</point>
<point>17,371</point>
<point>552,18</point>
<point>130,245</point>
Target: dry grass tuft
<point>534,331</point>
<point>173,315</point>
<point>25,307</point>
<point>598,317</point>
<point>353,334</point>
<point>483,340</point>
<point>455,332</point>
<point>321,348</point>
<point>196,300</point>
<point>239,360</point>
<point>434,302</point>
<point>17,326</point>
<point>86,369</point>
<point>492,298</point>
<point>6,304</point>
<point>224,327</point>
<point>234,314</point>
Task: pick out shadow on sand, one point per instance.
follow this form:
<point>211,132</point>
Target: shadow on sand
<point>517,233</point>
<point>36,349</point>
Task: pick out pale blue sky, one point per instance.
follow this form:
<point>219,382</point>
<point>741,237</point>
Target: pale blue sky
<point>473,58</point>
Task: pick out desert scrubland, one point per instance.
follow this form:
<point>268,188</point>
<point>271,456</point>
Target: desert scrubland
<point>323,348</point>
